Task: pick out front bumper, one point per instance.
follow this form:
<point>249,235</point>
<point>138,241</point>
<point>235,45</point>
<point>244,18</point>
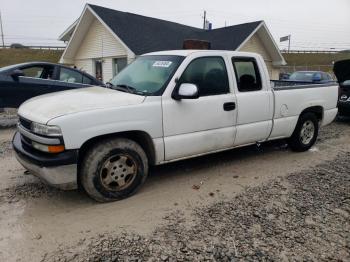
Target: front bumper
<point>58,170</point>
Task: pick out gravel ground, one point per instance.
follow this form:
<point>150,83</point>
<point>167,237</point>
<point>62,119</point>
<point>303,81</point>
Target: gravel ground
<point>23,191</point>
<point>8,118</point>
<point>5,148</point>
<point>334,131</point>
<point>302,217</point>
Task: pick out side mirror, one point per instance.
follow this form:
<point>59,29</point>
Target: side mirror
<point>186,91</point>
<point>17,73</point>
<point>108,85</point>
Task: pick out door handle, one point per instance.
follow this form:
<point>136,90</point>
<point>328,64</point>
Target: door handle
<point>229,106</point>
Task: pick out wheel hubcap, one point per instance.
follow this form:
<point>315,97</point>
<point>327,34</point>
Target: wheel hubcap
<point>307,132</point>
<point>118,172</point>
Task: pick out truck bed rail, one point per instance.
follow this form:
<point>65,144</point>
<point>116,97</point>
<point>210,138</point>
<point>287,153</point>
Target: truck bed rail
<point>286,85</point>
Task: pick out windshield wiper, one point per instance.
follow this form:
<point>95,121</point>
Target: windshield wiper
<point>128,89</point>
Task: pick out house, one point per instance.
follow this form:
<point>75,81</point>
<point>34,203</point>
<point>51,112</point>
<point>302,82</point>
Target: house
<point>103,41</point>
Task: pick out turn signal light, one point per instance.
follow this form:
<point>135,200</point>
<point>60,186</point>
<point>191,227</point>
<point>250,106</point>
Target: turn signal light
<point>56,149</point>
<point>47,148</point>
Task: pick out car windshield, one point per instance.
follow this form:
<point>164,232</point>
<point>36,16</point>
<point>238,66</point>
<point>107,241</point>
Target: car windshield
<point>346,83</point>
<point>147,75</point>
<point>302,76</point>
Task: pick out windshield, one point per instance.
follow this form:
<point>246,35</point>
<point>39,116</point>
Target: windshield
<point>147,75</point>
<point>302,76</point>
<point>346,83</point>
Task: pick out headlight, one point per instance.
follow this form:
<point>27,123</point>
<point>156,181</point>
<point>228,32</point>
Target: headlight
<point>45,130</point>
<point>48,149</point>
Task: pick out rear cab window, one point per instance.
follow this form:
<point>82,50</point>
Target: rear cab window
<point>247,74</point>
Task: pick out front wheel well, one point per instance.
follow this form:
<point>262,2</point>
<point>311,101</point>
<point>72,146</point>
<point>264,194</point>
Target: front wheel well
<point>140,137</point>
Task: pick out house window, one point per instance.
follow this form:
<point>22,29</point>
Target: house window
<point>98,69</point>
<point>119,64</point>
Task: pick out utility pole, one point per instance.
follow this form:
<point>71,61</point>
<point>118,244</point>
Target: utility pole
<point>2,32</point>
<point>204,19</point>
<point>289,43</point>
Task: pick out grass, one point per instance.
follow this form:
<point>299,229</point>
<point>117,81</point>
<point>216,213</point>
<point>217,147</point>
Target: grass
<point>16,56</point>
<point>313,61</point>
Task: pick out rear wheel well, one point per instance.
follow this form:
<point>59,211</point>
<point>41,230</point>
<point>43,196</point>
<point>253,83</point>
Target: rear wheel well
<point>140,137</point>
<point>317,110</point>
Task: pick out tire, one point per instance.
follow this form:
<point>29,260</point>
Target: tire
<point>113,169</point>
<point>305,133</point>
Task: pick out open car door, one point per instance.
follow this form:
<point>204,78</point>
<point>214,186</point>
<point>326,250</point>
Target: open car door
<point>342,72</point>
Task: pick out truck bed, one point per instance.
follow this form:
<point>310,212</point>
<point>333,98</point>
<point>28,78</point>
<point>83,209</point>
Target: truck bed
<point>290,98</point>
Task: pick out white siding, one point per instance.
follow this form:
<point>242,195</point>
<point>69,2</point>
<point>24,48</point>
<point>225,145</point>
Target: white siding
<point>107,69</point>
<point>255,45</point>
<point>85,65</point>
<point>99,42</point>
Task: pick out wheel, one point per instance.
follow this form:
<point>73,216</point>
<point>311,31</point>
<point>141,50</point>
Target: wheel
<point>305,133</point>
<point>113,169</point>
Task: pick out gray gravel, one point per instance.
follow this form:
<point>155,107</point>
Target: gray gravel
<point>303,217</point>
<point>334,131</point>
<point>8,119</point>
<point>5,148</point>
<point>25,191</point>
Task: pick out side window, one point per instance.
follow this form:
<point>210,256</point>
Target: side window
<point>326,76</point>
<point>209,74</point>
<point>34,71</point>
<point>43,72</point>
<point>247,74</point>
<point>87,80</point>
<point>70,76</point>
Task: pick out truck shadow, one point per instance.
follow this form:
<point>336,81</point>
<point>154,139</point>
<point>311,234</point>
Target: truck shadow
<point>214,160</point>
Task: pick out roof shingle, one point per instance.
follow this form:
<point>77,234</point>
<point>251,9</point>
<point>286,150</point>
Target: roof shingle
<point>145,34</point>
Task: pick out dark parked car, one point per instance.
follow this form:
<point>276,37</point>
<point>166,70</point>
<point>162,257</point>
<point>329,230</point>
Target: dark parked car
<point>311,77</point>
<point>20,82</point>
<point>284,76</point>
<point>342,72</point>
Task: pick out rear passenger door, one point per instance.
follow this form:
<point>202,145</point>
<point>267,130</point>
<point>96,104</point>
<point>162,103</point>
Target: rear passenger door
<point>254,102</point>
<point>197,126</point>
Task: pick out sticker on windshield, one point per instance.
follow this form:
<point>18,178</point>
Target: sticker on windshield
<point>162,64</point>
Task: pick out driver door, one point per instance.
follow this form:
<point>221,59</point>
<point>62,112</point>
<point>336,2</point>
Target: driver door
<point>205,124</point>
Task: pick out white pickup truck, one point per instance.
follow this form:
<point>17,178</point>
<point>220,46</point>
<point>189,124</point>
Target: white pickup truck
<point>164,107</point>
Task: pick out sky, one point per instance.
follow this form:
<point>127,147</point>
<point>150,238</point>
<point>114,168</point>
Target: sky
<point>312,24</point>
